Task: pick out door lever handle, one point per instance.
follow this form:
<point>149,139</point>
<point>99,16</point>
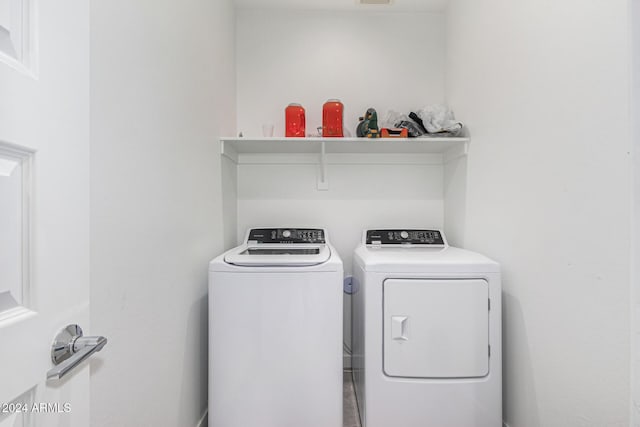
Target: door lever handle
<point>70,348</point>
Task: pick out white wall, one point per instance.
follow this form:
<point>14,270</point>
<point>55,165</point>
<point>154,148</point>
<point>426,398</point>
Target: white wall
<point>635,260</point>
<point>359,196</point>
<point>455,200</point>
<point>162,91</point>
<point>230,202</point>
<point>367,59</point>
<point>544,89</point>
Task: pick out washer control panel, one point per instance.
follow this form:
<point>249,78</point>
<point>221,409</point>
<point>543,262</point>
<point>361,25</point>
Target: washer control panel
<point>405,237</point>
<point>287,235</point>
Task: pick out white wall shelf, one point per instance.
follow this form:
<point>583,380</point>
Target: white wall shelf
<point>235,147</point>
<point>280,150</point>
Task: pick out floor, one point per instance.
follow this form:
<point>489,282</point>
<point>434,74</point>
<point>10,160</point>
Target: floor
<point>350,408</point>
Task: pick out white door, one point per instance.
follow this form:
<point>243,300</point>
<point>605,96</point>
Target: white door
<point>44,206</point>
<point>436,328</point>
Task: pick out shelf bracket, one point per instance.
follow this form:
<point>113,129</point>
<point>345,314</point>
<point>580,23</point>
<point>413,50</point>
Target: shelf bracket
<point>323,180</point>
<point>228,151</point>
<point>456,153</point>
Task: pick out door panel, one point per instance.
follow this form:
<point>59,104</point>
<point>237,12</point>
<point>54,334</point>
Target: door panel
<point>44,196</point>
<point>15,220</point>
<point>436,328</point>
<point>17,34</point>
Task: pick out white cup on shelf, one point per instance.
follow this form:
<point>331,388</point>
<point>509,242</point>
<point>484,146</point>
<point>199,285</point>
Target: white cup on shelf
<point>267,130</point>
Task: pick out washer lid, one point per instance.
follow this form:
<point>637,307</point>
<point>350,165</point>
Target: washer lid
<point>292,255</point>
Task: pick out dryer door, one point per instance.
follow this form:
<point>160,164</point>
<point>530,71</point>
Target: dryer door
<point>436,328</point>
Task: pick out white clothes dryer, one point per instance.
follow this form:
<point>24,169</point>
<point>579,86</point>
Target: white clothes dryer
<point>275,331</point>
<point>426,332</point>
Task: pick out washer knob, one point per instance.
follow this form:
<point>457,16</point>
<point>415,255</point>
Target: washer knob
<point>404,234</point>
<point>286,233</point>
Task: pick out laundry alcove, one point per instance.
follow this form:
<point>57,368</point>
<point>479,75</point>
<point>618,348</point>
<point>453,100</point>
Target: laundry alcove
<point>367,56</point>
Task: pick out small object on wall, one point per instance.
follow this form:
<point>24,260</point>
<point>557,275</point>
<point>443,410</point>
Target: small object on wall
<point>368,126</point>
<point>332,113</point>
<point>295,121</point>
<point>394,133</point>
<point>347,286</point>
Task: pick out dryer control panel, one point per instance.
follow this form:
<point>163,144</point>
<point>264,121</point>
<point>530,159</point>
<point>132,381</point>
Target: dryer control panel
<point>405,237</point>
<point>286,235</point>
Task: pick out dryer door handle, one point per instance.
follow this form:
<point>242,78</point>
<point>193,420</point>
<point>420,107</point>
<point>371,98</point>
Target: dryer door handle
<point>399,328</point>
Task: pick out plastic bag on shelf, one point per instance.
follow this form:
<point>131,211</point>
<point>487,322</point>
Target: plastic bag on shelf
<point>390,119</point>
<point>439,119</point>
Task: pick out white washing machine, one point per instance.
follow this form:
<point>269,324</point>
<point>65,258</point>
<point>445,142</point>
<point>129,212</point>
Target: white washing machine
<point>275,331</point>
<point>426,332</point>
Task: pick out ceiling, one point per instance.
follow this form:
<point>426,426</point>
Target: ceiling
<point>396,6</point>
